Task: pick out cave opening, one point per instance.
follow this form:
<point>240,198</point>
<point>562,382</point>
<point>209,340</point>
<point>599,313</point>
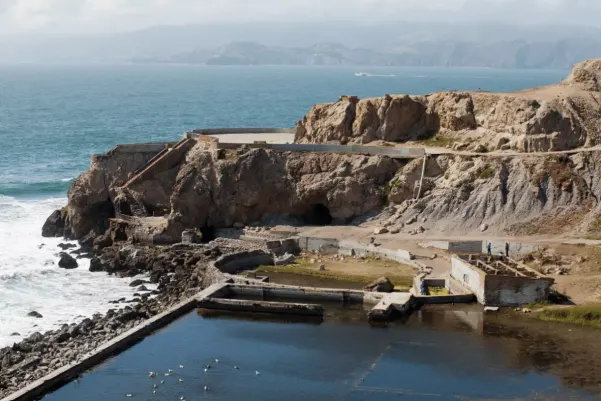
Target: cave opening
<point>317,215</point>
<point>208,234</point>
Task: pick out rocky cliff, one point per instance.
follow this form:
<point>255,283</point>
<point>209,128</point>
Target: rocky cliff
<point>219,189</point>
<point>559,117</point>
<point>461,193</point>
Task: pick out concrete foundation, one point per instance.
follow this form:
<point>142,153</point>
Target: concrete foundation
<point>503,285</point>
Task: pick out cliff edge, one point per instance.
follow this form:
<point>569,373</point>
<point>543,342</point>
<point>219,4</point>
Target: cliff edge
<point>552,118</point>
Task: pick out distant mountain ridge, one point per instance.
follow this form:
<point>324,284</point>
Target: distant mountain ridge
<point>396,43</point>
<point>562,54</point>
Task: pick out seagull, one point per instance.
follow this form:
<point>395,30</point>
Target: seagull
<point>206,388</point>
<point>180,380</point>
<point>129,395</point>
<point>170,370</point>
<point>257,372</point>
<point>216,360</point>
<point>181,366</point>
<point>154,391</point>
<point>236,367</point>
<point>162,381</point>
<point>154,386</point>
<point>151,375</point>
<point>181,398</point>
<point>206,370</point>
<point>167,374</point>
<point>208,366</point>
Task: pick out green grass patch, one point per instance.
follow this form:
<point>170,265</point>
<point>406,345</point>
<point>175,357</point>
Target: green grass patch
<point>401,283</point>
<point>589,316</point>
<point>485,173</point>
<point>438,141</point>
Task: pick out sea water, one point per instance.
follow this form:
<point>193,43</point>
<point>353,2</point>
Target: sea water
<point>53,118</point>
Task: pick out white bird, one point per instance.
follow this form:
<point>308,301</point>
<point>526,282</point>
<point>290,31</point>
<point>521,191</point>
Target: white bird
<point>128,395</point>
<point>167,374</point>
<point>151,375</point>
<point>181,366</point>
<point>216,360</point>
<point>170,370</point>
<point>206,370</point>
<point>162,381</point>
<point>257,372</point>
<point>206,388</point>
<point>181,398</point>
<point>180,380</point>
<point>154,391</point>
<point>236,367</point>
<point>154,386</point>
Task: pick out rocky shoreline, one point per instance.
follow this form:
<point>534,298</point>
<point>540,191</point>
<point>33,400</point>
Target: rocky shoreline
<point>179,271</point>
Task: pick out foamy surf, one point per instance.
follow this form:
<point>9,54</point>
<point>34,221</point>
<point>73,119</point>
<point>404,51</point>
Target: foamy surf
<point>30,279</point>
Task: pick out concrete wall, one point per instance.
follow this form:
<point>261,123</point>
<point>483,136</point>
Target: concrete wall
<point>350,248</point>
<point>469,277</point>
<point>141,147</point>
<point>457,246</point>
<point>217,131</point>
<point>515,291</point>
<point>394,152</point>
<point>236,262</point>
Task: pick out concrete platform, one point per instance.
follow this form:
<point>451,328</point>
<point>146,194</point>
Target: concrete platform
<point>251,306</point>
<point>400,302</point>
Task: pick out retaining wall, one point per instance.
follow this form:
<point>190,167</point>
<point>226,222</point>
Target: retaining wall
<point>457,246</point>
<point>470,277</point>
<point>515,291</point>
<point>218,131</point>
<point>236,262</point>
<point>351,248</point>
<point>141,147</point>
<point>393,152</point>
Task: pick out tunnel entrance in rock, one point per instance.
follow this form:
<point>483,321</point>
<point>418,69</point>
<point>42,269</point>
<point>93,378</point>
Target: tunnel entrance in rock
<point>208,234</point>
<point>317,215</point>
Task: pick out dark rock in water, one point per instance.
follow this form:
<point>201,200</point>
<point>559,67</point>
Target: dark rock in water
<point>15,334</point>
<point>67,261</point>
<point>96,265</point>
<point>137,283</point>
<point>41,246</point>
<point>64,246</point>
<point>35,338</point>
<point>35,314</point>
<point>380,285</point>
<point>87,242</point>
<point>55,224</point>
<point>142,288</point>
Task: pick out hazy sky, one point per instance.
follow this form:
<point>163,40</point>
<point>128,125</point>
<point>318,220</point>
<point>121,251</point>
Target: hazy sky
<point>92,16</point>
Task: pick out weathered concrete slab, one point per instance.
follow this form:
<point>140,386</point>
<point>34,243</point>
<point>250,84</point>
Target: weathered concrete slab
<point>252,306</point>
<point>396,301</point>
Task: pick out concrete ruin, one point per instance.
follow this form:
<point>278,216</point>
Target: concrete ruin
<point>500,281</point>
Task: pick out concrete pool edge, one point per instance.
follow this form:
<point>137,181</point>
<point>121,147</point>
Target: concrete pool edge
<point>113,347</point>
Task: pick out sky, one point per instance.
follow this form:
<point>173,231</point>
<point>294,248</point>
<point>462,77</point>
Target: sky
<point>105,16</point>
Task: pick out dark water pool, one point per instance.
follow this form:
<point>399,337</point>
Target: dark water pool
<point>439,354</point>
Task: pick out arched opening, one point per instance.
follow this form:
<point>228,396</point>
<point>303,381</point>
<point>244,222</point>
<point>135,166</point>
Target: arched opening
<point>317,215</point>
<point>208,234</point>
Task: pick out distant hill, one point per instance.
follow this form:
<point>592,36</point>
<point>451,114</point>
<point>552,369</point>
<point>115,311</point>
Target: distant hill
<point>502,54</point>
<point>398,43</point>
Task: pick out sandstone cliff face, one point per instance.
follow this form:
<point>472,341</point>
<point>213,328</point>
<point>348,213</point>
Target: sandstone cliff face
<point>212,192</point>
<point>545,119</point>
<point>586,75</point>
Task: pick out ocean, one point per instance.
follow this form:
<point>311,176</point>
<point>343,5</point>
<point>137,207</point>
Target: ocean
<point>53,118</point>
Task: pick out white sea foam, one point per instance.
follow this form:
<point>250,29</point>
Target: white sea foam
<point>30,279</point>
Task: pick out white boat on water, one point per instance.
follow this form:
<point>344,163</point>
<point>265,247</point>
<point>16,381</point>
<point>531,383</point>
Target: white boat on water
<point>363,74</point>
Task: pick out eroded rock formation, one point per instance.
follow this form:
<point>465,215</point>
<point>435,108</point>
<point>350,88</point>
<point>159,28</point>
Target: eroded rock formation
<point>558,117</point>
